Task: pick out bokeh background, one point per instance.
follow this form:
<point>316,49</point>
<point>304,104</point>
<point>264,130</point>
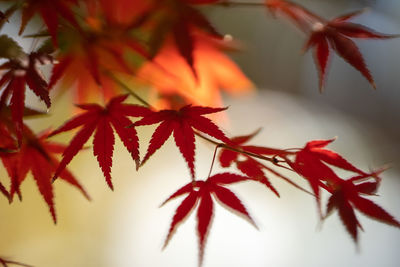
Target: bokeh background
<point>127,228</point>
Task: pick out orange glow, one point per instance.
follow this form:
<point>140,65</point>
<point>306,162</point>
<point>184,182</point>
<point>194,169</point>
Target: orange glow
<point>170,75</point>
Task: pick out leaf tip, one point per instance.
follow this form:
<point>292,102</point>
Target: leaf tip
<point>373,84</point>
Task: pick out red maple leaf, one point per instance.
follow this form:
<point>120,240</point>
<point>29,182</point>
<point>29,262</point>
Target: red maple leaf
<point>312,162</point>
<point>19,74</point>
<point>336,34</point>
<point>329,35</point>
<point>180,123</point>
<point>103,120</point>
<point>200,192</point>
<point>346,196</point>
<point>50,11</point>
<point>7,146</point>
<point>36,155</point>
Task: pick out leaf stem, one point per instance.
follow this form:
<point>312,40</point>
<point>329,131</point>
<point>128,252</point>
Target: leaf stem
<point>129,90</point>
<point>213,160</point>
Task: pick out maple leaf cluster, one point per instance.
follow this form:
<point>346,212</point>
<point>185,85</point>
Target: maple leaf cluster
<point>98,48</point>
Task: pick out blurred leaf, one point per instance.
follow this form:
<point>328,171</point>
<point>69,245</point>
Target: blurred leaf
<point>46,47</point>
<point>27,113</point>
<point>4,16</point>
<point>9,48</point>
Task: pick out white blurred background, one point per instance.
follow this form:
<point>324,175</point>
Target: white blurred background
<point>126,228</point>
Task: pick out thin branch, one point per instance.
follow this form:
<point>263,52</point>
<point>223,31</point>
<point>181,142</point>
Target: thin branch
<point>129,90</point>
<point>235,149</point>
<point>277,174</point>
<point>240,4</point>
<point>213,160</point>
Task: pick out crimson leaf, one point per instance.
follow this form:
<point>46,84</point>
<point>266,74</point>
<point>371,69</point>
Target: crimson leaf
<point>201,192</point>
<point>102,120</point>
<point>181,123</point>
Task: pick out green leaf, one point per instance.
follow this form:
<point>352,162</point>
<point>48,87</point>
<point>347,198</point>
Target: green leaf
<point>9,48</point>
<point>46,47</point>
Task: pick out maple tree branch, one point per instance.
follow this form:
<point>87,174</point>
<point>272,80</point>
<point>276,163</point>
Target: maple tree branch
<point>226,3</point>
<point>277,174</point>
<point>238,150</point>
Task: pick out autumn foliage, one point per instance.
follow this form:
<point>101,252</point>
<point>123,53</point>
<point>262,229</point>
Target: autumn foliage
<point>101,50</point>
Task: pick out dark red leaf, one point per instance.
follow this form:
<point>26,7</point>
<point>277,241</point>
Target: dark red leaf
<point>354,30</point>
<point>227,178</point>
<point>36,155</point>
<point>181,123</point>
<point>253,169</point>
<point>334,32</point>
<point>181,213</point>
<point>50,11</point>
<point>374,211</point>
<point>349,219</point>
<point>348,50</point>
<point>17,104</point>
<point>19,74</point>
<point>232,201</point>
<point>346,197</point>
<point>349,16</point>
<point>103,146</point>
<point>58,71</point>
<point>199,193</point>
<point>204,216</point>
<point>101,120</point>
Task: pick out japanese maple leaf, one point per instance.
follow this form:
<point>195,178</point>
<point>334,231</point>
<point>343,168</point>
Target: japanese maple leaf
<point>37,155</point>
<point>7,146</point>
<point>183,20</point>
<point>20,73</point>
<point>50,11</point>
<point>329,35</point>
<point>346,197</point>
<point>199,193</point>
<point>101,121</point>
<point>335,35</point>
<point>215,72</point>
<point>181,123</point>
<point>312,162</point>
<point>7,263</point>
